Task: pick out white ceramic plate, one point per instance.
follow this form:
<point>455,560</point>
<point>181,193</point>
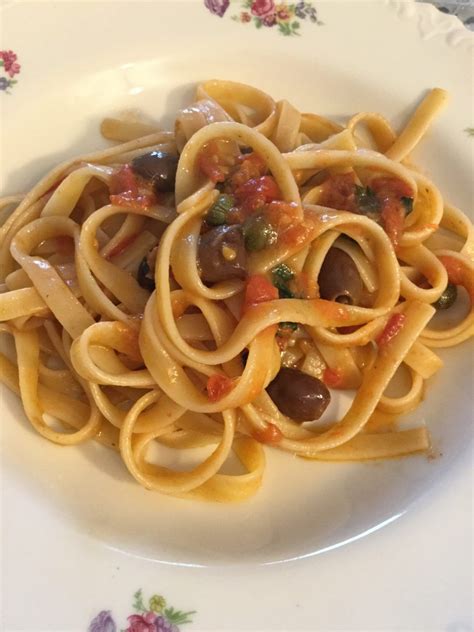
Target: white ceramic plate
<point>79,536</point>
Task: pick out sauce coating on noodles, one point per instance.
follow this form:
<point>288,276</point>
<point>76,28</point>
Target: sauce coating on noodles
<point>217,284</point>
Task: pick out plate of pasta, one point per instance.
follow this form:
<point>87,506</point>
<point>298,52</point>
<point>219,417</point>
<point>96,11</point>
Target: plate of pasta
<point>233,297</point>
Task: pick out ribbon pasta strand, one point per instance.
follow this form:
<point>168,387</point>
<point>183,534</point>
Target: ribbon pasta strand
<point>163,293</point>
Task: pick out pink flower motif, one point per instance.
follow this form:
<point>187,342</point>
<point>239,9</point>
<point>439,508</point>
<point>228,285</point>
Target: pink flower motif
<point>263,8</point>
<point>10,62</point>
<point>139,623</point>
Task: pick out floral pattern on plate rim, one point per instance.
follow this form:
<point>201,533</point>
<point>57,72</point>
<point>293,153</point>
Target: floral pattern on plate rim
<point>154,616</point>
<point>286,16</point>
<point>10,66</point>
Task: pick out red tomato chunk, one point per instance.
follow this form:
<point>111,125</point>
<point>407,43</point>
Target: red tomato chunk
<point>218,386</point>
<point>259,290</point>
<point>271,434</point>
<point>392,329</point>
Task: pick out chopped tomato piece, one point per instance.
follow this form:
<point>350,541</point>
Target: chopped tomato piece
<point>128,200</point>
<point>124,181</point>
<point>271,434</point>
<point>295,235</point>
<point>251,166</point>
<point>212,164</point>
<point>122,245</point>
<point>454,269</point>
<point>282,215</point>
<point>391,329</point>
<point>458,274</point>
<point>333,377</point>
<point>338,192</point>
<point>393,217</point>
<point>391,187</point>
<point>218,386</point>
<point>285,218</point>
<point>125,190</point>
<point>259,290</point>
<point>256,192</point>
<point>390,191</point>
<point>255,160</point>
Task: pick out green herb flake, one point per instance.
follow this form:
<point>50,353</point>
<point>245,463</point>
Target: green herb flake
<point>367,201</point>
<point>286,324</point>
<point>282,271</point>
<point>283,289</point>
<point>407,204</point>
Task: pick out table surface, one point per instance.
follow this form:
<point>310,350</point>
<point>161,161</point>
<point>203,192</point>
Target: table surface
<point>463,9</point>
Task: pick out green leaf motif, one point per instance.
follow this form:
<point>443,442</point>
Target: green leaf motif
<point>177,616</point>
<point>258,23</point>
<point>469,131</point>
<point>139,604</point>
<point>284,28</point>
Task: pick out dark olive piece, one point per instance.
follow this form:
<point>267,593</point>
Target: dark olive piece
<point>145,276</point>
<point>298,395</point>
<point>447,298</point>
<point>159,167</point>
<point>222,255</point>
<point>339,280</point>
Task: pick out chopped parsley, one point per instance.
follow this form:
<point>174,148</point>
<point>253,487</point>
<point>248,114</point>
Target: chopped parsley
<point>367,201</point>
<point>283,272</point>
<point>407,204</point>
<point>286,324</point>
<point>280,277</point>
<point>283,290</point>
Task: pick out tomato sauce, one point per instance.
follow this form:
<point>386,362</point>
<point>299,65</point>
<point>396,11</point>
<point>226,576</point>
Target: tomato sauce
<point>391,329</point>
<point>129,191</point>
<point>258,290</point>
<point>218,386</point>
<point>271,434</point>
<point>458,274</point>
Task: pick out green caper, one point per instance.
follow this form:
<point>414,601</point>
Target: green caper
<point>217,214</point>
<point>258,233</point>
<point>447,298</point>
